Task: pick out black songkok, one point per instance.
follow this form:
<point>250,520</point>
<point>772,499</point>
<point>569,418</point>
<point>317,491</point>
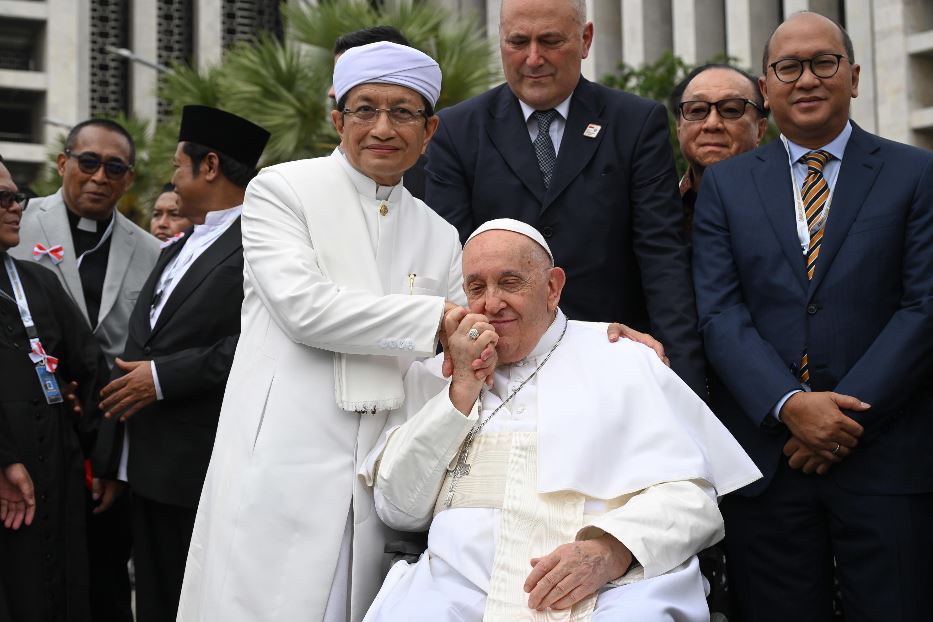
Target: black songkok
<point>224,132</point>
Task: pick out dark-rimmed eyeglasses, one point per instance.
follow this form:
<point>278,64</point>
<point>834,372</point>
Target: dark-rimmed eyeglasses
<point>789,70</point>
<point>398,115</point>
<point>8,198</point>
<point>89,163</point>
<point>731,108</point>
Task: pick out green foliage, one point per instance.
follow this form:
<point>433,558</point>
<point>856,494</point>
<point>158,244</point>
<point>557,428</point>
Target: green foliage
<point>282,85</point>
<point>467,60</point>
<point>135,202</point>
<point>656,81</point>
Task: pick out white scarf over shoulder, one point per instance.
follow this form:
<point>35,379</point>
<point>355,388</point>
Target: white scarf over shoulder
<point>345,256</point>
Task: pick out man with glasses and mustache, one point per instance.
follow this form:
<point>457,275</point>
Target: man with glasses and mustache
<point>719,113</point>
<point>44,343</point>
<point>102,259</point>
<point>813,267</point>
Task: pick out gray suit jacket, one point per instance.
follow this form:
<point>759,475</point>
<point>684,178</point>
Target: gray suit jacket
<point>133,254</point>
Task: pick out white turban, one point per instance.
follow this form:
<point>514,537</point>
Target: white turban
<point>516,226</point>
<point>388,63</point>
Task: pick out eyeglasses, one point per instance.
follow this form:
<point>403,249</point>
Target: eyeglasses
<point>731,108</point>
<point>8,198</point>
<point>397,114</point>
<point>789,70</point>
<point>89,163</point>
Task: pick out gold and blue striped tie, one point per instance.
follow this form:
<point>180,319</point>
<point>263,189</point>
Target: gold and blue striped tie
<point>814,193</point>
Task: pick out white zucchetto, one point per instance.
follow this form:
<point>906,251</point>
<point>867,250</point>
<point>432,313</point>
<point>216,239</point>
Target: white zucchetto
<point>388,63</point>
<point>516,226</point>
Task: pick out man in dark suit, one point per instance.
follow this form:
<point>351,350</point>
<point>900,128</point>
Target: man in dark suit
<point>182,336</point>
<point>588,166</point>
<point>819,325</point>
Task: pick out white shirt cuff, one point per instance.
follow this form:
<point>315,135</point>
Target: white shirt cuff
<point>155,380</point>
<point>776,412</point>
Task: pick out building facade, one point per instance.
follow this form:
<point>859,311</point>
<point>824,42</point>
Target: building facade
<point>60,61</point>
<point>893,42</point>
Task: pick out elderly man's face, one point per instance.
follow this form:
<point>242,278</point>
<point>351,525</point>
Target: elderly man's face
<point>94,194</point>
<point>542,44</point>
<point>381,148</point>
<point>10,216</point>
<point>166,221</point>
<point>810,111</point>
<point>507,277</point>
<point>714,138</point>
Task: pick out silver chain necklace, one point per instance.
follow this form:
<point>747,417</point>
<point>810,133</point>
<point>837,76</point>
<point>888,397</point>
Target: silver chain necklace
<point>462,467</point>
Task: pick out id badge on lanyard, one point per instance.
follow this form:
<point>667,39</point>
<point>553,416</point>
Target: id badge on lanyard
<point>45,363</point>
<point>803,229</point>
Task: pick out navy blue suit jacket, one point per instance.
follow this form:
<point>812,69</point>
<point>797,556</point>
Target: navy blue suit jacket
<point>612,214</point>
<point>866,318</point>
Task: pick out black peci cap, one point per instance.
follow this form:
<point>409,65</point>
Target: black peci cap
<point>225,132</point>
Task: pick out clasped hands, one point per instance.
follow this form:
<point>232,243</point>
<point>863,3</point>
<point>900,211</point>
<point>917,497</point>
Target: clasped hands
<point>821,434</point>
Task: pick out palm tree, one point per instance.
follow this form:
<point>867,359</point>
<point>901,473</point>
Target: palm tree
<point>282,84</point>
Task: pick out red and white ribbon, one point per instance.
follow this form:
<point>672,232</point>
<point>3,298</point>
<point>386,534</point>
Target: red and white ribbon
<point>38,355</point>
<point>172,240</point>
<point>55,253</point>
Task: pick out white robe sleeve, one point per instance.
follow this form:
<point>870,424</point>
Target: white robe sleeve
<point>282,268</point>
<point>413,465</point>
<point>663,525</point>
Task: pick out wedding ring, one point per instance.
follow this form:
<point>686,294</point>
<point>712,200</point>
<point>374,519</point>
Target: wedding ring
<point>473,334</point>
<point>836,449</point>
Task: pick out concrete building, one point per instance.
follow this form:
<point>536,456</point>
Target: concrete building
<point>58,65</point>
<point>893,42</point>
<point>59,62</point>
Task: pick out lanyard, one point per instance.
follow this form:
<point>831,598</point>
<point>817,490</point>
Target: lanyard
<point>38,354</point>
<point>100,243</point>
<point>803,229</point>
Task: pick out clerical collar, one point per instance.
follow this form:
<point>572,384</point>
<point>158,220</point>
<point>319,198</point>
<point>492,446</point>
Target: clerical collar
<point>366,186</point>
<point>549,338</point>
<point>87,225</point>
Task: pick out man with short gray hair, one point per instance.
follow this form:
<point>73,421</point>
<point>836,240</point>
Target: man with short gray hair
<point>590,167</point>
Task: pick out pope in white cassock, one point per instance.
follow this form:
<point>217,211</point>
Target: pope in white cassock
<point>579,486</point>
<point>345,279</point>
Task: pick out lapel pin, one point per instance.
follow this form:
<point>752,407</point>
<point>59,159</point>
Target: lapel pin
<point>592,130</point>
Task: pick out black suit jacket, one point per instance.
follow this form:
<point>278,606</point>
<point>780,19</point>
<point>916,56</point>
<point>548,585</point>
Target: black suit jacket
<point>192,344</point>
<point>866,318</point>
<point>612,214</point>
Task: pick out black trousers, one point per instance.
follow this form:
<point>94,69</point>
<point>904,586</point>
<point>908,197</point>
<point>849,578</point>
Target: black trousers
<point>108,546</point>
<point>782,544</point>
<point>161,535</point>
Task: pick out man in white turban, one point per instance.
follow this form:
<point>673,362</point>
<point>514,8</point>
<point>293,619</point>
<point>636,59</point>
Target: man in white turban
<point>346,278</point>
<point>577,486</point>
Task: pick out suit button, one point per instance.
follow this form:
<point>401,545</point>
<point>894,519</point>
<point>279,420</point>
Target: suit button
<point>547,232</point>
<point>147,350</point>
<point>812,309</point>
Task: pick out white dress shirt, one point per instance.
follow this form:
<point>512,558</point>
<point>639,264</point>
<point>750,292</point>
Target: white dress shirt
<point>836,147</point>
<point>556,129</point>
<point>215,224</point>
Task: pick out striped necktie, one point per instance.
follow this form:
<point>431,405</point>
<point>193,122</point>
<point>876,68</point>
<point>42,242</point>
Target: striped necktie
<point>814,193</point>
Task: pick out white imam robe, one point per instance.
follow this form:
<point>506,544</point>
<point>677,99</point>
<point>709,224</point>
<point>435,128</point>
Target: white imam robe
<point>664,523</point>
<point>284,530</point>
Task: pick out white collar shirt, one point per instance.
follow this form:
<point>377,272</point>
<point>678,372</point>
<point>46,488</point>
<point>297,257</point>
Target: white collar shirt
<point>836,147</point>
<point>215,224</point>
<point>556,129</point>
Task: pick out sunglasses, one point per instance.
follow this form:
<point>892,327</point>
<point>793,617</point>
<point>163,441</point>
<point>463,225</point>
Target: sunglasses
<point>89,163</point>
<point>7,199</point>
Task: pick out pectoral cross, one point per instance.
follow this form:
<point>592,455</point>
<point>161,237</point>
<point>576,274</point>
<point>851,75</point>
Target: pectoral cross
<point>460,469</point>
